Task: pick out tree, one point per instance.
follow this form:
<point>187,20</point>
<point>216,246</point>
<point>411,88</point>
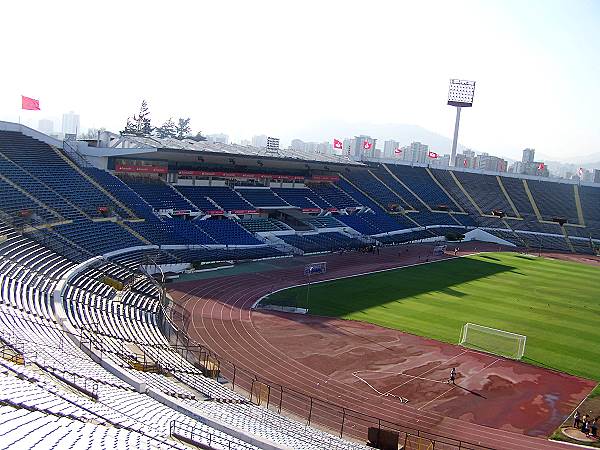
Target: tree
<point>140,125</point>
<point>183,128</point>
<point>167,129</point>
<point>197,137</point>
<point>92,133</point>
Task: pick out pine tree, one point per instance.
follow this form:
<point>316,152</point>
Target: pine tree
<point>183,128</point>
<point>167,129</point>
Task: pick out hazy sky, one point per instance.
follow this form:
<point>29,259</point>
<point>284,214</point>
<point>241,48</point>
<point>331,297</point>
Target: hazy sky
<point>253,67</point>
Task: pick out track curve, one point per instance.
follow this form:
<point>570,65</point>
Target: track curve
<point>222,320</point>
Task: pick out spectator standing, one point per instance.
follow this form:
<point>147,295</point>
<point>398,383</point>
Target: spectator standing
<point>576,419</point>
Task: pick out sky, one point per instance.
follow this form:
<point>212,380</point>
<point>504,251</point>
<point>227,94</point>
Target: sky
<point>274,67</point>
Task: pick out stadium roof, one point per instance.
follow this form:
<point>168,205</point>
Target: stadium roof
<point>131,142</point>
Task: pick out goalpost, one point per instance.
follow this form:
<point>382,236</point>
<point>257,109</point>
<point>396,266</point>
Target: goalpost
<point>492,340</point>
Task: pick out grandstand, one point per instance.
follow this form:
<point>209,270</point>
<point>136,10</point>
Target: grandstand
<point>89,351</point>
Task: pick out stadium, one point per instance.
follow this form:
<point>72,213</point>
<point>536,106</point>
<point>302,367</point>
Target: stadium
<point>165,293</point>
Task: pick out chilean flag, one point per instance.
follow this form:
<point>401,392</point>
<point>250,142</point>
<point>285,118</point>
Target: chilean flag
<point>398,151</point>
<point>30,103</point>
<point>367,145</point>
<point>580,172</point>
<point>433,155</point>
<point>337,144</point>
<point>465,162</point>
<point>541,166</point>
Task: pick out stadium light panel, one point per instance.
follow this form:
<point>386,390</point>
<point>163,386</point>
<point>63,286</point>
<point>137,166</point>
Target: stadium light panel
<point>461,93</point>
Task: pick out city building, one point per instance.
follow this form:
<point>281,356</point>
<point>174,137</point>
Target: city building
<point>416,152</point>
<point>528,155</point>
<point>484,161</point>
<point>298,144</point>
<point>259,141</point>
<point>272,144</point>
<point>596,176</point>
<point>219,138</point>
<point>389,148</point>
<point>70,123</point>
<point>46,126</point>
<point>360,147</point>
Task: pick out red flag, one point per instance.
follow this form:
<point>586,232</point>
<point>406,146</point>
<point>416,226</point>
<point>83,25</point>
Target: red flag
<point>337,144</point>
<point>433,155</point>
<point>367,145</point>
<point>465,162</point>
<point>398,151</point>
<point>541,166</point>
<point>30,103</point>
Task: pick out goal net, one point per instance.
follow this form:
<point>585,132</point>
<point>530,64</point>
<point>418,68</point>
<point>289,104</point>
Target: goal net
<point>492,340</point>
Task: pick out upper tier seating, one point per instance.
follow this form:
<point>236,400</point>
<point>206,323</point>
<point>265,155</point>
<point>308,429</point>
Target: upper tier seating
<point>226,231</point>
<point>590,203</point>
<point>516,191</point>
<point>198,198</point>
<point>226,198</point>
<point>334,196</point>
<point>262,198</point>
<point>159,194</point>
<point>302,198</point>
<point>121,191</point>
<point>485,191</point>
<point>554,199</point>
<point>444,177</point>
<point>376,190</point>
<point>397,187</point>
<point>418,180</point>
<point>44,163</point>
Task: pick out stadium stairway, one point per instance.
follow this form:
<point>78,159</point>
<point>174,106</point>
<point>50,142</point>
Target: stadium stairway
<point>508,199</point>
<point>359,190</point>
<point>466,193</point>
<point>39,184</point>
<point>93,182</point>
<point>536,210</point>
<point>569,244</point>
<point>578,205</point>
<point>135,233</point>
<point>436,181</point>
<point>410,207</point>
<point>393,175</point>
<point>25,193</point>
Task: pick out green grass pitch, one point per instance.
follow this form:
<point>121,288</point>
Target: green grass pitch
<point>556,304</point>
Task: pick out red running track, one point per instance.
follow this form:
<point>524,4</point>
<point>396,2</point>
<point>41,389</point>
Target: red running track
<point>222,320</point>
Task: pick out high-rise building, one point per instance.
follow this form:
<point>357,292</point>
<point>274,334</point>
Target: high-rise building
<point>325,148</point>
<point>389,148</point>
<point>218,138</point>
<point>596,176</point>
<point>491,163</point>
<point>259,141</point>
<point>416,153</point>
<point>360,147</point>
<point>528,155</point>
<point>298,144</point>
<point>70,123</point>
<point>46,126</point>
<point>272,144</point>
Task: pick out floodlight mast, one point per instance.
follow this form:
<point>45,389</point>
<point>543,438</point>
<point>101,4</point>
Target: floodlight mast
<point>460,95</point>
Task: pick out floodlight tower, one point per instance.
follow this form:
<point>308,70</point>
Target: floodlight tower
<point>461,95</point>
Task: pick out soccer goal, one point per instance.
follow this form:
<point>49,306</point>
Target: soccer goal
<point>492,340</point>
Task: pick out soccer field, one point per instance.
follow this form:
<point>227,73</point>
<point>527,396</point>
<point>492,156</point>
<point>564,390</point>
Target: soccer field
<point>554,303</point>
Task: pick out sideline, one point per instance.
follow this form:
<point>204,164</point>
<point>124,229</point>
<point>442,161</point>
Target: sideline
<point>257,302</point>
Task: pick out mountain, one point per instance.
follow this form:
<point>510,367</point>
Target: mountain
<point>403,133</point>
